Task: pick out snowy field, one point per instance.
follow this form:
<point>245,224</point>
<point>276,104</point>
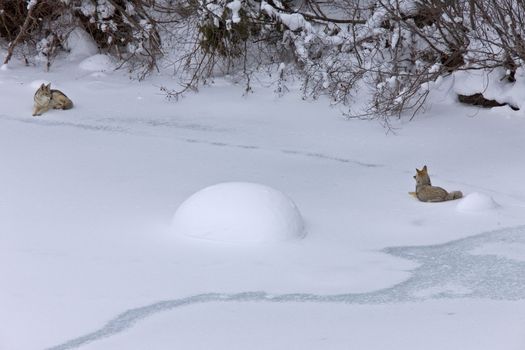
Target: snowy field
<point>89,258</point>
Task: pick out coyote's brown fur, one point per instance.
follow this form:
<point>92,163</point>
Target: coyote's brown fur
<point>46,98</point>
<point>425,192</point>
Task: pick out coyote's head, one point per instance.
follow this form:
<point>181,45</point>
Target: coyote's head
<point>422,177</point>
<point>43,94</point>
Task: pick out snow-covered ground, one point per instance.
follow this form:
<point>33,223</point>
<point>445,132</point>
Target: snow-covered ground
<point>88,258</point>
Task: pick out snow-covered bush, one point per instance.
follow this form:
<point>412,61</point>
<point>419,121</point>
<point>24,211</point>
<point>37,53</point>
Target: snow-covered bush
<point>37,24</point>
<point>394,49</point>
<point>381,44</point>
<point>124,28</point>
<point>222,37</point>
<point>40,28</point>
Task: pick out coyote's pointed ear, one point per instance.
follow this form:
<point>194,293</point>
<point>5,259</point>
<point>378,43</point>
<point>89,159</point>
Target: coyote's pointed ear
<point>42,86</point>
<point>48,86</point>
<point>424,169</point>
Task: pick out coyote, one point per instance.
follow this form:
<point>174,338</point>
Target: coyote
<point>425,192</point>
<point>47,98</point>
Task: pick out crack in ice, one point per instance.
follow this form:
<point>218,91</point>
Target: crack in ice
<point>450,270</point>
<point>107,127</point>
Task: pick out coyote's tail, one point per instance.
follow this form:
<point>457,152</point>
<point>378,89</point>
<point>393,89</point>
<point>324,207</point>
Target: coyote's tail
<point>68,104</point>
<point>454,195</point>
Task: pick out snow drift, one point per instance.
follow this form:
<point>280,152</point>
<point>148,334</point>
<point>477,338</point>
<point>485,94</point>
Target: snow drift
<point>476,202</point>
<point>239,212</point>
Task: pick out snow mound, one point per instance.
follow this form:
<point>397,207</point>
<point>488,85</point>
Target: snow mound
<point>98,63</point>
<point>475,202</point>
<point>239,212</point>
<point>80,45</point>
<point>490,85</point>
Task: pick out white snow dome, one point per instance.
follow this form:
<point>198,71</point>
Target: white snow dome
<point>239,212</point>
<point>476,202</point>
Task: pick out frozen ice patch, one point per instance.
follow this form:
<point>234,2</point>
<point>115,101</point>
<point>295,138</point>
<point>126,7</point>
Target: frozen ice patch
<point>98,63</point>
<point>239,212</point>
<point>476,202</point>
<point>447,290</point>
<point>513,251</point>
<point>454,269</point>
<point>446,271</point>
